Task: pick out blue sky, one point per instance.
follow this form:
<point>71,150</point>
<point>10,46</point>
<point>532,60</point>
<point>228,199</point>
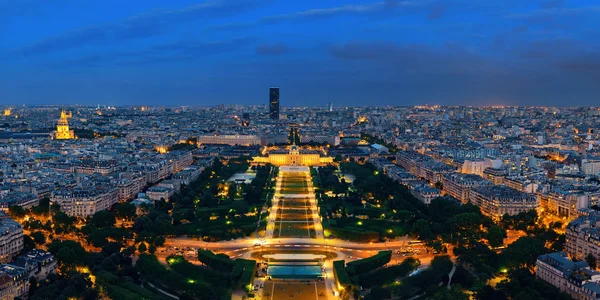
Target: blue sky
<point>391,52</point>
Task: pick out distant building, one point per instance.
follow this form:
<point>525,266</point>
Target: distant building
<point>90,166</point>
<point>274,103</point>
<point>496,176</point>
<point>582,236</point>
<point>11,238</point>
<point>380,148</point>
<point>572,277</point>
<point>520,184</point>
<point>590,166</point>
<point>24,200</point>
<point>13,283</point>
<point>496,201</point>
<point>295,156</point>
<point>156,193</point>
<point>567,202</point>
<point>229,139</point>
<point>62,127</point>
<point>84,202</point>
<point>425,193</point>
<point>37,263</point>
<point>332,140</point>
<point>459,185</point>
<point>130,184</point>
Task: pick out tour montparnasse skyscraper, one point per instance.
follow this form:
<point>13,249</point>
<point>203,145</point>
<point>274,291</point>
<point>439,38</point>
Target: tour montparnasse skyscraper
<point>274,103</point>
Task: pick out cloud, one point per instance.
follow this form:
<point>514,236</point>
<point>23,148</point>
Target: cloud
<point>363,50</point>
<point>551,12</point>
<point>583,64</point>
<point>140,26</point>
<point>321,13</point>
<point>69,39</point>
<point>553,3</point>
<point>437,10</point>
<point>317,13</point>
<point>271,49</point>
<point>551,49</point>
<point>171,52</point>
<point>411,58</point>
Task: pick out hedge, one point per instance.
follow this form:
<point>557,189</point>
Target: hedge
<point>370,263</point>
<point>370,212</point>
<point>248,271</point>
<point>340,274</point>
<point>357,235</point>
<point>219,262</point>
<point>205,212</point>
<point>389,274</point>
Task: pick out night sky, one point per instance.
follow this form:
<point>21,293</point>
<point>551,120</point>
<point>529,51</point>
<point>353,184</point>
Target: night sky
<point>184,52</point>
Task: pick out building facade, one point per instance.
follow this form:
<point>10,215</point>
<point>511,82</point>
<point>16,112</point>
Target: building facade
<point>274,103</point>
<point>582,236</point>
<point>496,201</point>
<point>572,277</point>
<point>62,127</point>
<point>294,157</point>
<point>231,139</point>
<point>11,238</point>
<point>459,185</point>
<point>84,202</point>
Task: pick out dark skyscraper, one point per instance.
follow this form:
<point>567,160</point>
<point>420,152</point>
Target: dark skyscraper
<point>274,103</point>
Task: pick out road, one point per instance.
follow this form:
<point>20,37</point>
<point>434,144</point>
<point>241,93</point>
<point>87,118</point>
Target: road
<point>244,248</point>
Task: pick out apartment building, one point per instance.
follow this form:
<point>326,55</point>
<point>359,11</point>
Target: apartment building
<point>459,185</point>
<point>497,200</point>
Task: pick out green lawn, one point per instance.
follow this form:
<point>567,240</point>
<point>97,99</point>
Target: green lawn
<point>300,229</point>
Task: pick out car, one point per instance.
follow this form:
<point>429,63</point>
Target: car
<point>257,244</point>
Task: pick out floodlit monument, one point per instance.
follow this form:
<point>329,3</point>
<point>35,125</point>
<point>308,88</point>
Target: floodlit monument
<point>293,155</point>
<point>62,127</point>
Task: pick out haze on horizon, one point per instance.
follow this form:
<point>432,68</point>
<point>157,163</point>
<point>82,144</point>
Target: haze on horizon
<point>392,52</point>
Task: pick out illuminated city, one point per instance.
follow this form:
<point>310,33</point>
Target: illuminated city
<point>273,150</point>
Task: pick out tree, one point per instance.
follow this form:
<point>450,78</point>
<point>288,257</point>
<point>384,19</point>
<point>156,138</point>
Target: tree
<point>523,252</point>
<point>350,293</point>
<point>441,264</point>
<point>208,199</point>
<point>43,207</point>
<point>142,247</point>
<point>111,248</point>
<point>28,243</point>
<point>489,293</point>
<point>592,261</point>
<point>496,236</point>
<point>103,218</point>
<point>378,293</point>
<point>16,212</point>
<point>38,237</point>
<point>159,241</point>
<point>125,211</point>
<point>68,253</point>
<point>423,229</point>
<point>98,238</point>
<point>62,222</point>
<point>455,293</point>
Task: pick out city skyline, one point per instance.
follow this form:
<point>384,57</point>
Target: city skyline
<point>451,52</point>
<point>235,202</point>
